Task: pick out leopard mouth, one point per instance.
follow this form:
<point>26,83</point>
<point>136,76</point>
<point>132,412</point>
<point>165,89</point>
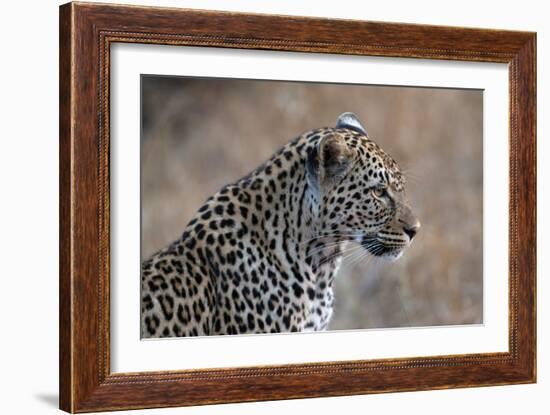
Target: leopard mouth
<point>378,248</point>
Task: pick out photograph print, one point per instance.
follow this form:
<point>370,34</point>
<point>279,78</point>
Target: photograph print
<point>278,206</point>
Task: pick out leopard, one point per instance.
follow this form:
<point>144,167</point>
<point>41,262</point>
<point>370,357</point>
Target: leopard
<point>261,255</point>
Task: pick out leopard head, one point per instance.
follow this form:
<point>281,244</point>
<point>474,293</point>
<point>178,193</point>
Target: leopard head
<point>361,191</point>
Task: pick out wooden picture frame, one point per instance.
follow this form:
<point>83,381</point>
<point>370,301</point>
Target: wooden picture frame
<point>86,33</point>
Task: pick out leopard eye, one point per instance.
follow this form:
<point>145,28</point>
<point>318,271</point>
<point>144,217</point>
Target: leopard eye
<point>380,192</point>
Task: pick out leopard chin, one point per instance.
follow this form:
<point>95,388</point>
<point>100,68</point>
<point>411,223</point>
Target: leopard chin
<point>389,253</point>
<point>394,254</point>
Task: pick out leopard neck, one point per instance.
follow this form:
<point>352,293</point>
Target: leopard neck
<point>287,213</point>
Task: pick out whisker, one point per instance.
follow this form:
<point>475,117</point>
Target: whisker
<point>332,235</point>
<point>358,258</point>
<point>377,249</point>
<point>351,252</point>
<point>339,254</point>
<point>316,249</point>
<point>321,248</point>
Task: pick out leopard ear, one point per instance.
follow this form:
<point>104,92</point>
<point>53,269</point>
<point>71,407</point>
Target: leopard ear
<point>329,160</point>
<point>335,157</point>
<point>350,121</point>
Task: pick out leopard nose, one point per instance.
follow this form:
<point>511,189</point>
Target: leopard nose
<point>412,230</point>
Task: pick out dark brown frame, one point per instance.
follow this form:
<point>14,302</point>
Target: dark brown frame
<point>86,33</point>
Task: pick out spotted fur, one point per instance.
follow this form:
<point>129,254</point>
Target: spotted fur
<point>261,255</point>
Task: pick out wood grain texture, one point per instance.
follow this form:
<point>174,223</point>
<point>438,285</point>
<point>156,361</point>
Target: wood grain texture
<point>65,246</point>
<point>86,33</point>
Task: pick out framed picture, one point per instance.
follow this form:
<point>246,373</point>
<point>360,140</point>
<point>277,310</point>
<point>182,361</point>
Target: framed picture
<point>260,207</point>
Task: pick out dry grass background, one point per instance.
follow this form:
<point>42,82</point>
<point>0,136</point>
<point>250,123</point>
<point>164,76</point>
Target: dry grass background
<point>199,134</point>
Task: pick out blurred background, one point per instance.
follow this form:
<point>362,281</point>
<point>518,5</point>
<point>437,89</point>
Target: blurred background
<point>199,134</point>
